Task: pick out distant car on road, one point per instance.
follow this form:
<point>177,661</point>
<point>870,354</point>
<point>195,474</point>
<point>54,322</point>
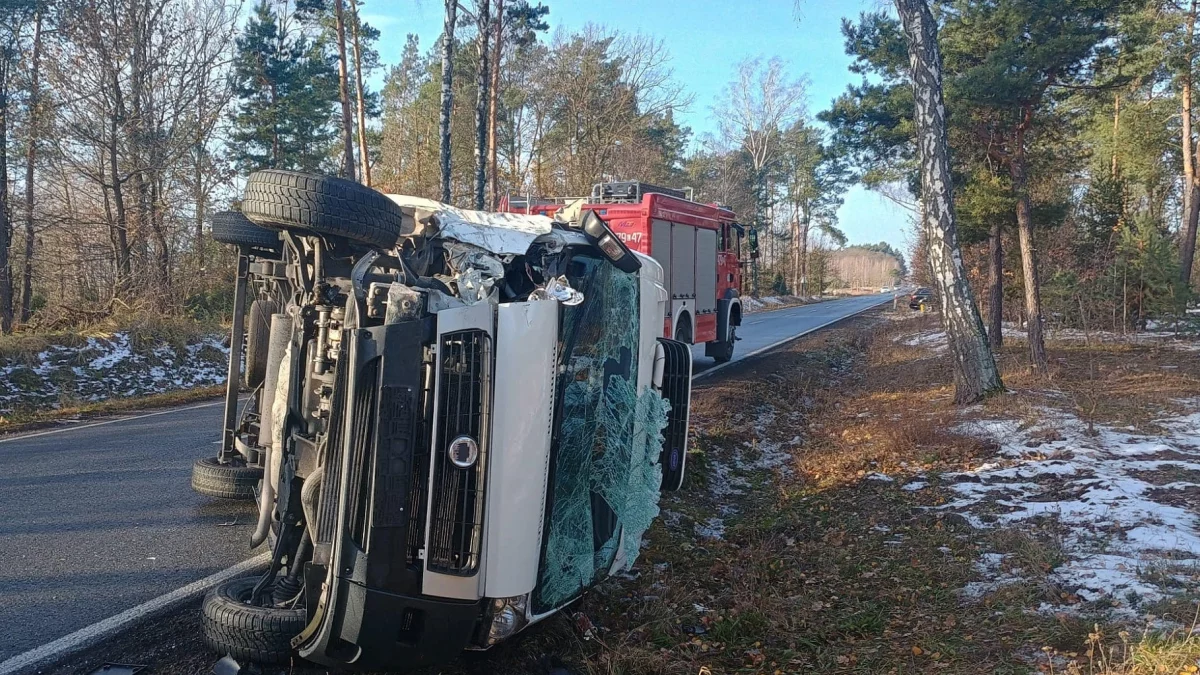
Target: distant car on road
<point>919,297</point>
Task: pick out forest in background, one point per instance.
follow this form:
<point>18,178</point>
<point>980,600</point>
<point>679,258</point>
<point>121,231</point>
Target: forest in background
<point>124,124</point>
<point>1071,135</point>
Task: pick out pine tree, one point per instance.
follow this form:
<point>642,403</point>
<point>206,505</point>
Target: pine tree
<point>286,87</point>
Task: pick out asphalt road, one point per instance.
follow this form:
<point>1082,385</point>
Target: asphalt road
<point>97,518</point>
<point>766,328</point>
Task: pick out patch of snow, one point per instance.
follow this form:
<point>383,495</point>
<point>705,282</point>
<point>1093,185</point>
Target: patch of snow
<point>103,368</point>
<point>713,528</point>
<point>1118,526</point>
<point>914,486</point>
<point>990,566</point>
<point>881,477</point>
<point>930,339</point>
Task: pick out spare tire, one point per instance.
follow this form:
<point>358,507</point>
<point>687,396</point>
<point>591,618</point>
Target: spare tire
<point>231,227</point>
<point>258,340</point>
<point>291,200</point>
<point>248,632</point>
<point>225,481</point>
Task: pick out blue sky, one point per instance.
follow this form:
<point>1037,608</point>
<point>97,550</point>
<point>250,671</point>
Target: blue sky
<point>707,39</point>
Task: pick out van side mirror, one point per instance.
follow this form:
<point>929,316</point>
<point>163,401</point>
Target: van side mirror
<point>603,238</point>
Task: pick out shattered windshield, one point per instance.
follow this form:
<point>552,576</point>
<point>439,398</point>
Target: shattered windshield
<point>605,474</point>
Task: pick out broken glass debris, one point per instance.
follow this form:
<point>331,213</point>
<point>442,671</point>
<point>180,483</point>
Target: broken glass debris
<point>558,288</point>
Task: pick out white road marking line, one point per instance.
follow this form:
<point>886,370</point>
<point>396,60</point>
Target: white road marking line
<point>76,427</point>
<point>773,345</point>
<point>90,635</point>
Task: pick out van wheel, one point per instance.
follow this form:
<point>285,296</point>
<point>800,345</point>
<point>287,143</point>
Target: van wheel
<point>231,227</point>
<point>258,339</point>
<point>314,204</point>
<point>225,481</point>
<point>248,632</point>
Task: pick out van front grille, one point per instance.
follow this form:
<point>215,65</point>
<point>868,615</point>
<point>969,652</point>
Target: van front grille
<point>456,507</point>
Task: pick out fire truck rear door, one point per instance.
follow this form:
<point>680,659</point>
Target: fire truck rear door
<point>683,261</point>
<point>660,250</point>
<point>706,270</point>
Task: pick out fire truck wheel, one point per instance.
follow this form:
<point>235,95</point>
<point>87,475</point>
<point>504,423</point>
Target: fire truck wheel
<point>684,333</point>
<point>722,352</point>
<point>310,203</point>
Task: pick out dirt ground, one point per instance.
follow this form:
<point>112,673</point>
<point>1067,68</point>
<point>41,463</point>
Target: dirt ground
<point>813,535</point>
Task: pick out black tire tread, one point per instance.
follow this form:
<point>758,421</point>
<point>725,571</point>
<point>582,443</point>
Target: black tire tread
<point>232,227</point>
<point>246,632</point>
<point>224,481</point>
<point>292,200</point>
<point>258,339</point>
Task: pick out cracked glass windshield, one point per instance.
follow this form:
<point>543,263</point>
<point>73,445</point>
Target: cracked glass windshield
<point>605,477</point>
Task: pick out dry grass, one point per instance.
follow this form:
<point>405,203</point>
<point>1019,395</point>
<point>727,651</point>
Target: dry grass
<point>146,330</point>
<point>827,570</point>
<point>28,420</point>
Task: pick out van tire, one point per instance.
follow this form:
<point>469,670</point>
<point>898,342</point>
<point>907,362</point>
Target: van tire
<point>225,481</point>
<point>258,341</point>
<point>232,227</point>
<point>315,204</point>
<point>247,632</point>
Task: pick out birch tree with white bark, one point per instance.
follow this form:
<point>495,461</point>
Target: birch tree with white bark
<point>975,372</point>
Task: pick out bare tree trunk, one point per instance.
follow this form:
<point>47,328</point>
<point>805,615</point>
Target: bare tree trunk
<point>483,16</point>
<point>996,286</point>
<point>1115,170</point>
<point>6,285</point>
<point>364,159</point>
<point>30,162</point>
<point>121,218</point>
<point>344,93</point>
<point>975,373</point>
<point>1033,292</point>
<point>447,95</point>
<point>804,227</point>
<point>795,227</point>
<point>198,192</point>
<point>1191,187</point>
<point>493,93</point>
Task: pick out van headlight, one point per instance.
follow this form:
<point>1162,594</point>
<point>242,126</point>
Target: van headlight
<point>508,618</point>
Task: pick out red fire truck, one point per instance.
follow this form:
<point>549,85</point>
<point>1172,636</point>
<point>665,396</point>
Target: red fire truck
<point>698,246</point>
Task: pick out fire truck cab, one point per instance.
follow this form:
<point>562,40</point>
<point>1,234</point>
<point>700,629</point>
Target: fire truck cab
<point>698,246</point>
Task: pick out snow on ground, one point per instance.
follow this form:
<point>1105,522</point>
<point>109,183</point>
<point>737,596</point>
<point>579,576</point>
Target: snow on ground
<point>111,367</point>
<point>730,478</point>
<point>935,340</point>
<point>1126,504</point>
